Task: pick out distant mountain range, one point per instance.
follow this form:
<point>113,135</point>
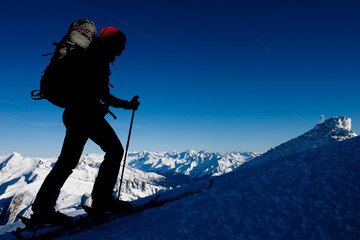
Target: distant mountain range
<point>190,163</point>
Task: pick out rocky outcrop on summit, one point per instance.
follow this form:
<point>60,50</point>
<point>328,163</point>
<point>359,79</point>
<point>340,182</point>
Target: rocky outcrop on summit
<point>332,129</point>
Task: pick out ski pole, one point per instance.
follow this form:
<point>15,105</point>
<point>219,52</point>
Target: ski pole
<point>126,151</point>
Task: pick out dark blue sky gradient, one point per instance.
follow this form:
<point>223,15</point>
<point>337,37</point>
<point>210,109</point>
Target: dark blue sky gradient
<point>211,75</point>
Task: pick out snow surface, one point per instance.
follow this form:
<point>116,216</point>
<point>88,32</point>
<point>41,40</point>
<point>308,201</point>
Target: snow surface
<point>307,188</point>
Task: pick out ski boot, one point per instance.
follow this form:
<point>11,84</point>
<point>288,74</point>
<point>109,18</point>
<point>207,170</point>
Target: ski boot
<point>112,205</point>
<point>53,217</point>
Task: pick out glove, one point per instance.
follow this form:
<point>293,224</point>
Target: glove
<point>134,103</point>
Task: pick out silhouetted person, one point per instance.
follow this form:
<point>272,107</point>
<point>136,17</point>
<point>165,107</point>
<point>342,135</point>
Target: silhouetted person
<point>89,97</point>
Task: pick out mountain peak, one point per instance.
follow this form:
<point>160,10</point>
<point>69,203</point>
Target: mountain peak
<point>336,128</point>
<point>332,129</point>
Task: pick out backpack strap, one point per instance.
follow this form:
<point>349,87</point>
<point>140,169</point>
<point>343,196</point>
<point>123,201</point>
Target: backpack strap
<point>112,114</point>
<point>47,54</point>
<point>37,95</point>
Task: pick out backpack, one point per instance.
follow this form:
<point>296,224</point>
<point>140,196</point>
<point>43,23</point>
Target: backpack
<point>53,85</point>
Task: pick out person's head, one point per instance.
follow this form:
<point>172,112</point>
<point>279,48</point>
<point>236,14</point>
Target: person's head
<point>113,40</point>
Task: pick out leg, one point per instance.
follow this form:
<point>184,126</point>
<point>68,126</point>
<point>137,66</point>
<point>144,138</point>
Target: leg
<point>73,145</point>
<point>106,138</point>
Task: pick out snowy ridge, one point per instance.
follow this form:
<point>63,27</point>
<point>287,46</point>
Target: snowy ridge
<point>332,129</point>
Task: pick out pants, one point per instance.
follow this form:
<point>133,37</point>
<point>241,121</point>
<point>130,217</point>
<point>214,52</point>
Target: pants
<point>79,128</point>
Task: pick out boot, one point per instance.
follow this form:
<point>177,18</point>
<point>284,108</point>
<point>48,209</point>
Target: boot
<point>53,217</point>
<point>112,205</point>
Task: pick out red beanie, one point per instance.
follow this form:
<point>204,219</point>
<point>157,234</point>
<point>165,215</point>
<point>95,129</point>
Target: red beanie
<point>111,33</point>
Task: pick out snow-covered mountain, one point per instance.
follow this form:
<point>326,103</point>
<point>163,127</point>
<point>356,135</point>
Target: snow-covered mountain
<point>147,173</point>
<point>21,177</point>
<point>332,129</point>
<point>306,188</point>
<point>190,163</point>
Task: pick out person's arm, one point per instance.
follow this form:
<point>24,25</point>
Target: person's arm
<point>119,103</point>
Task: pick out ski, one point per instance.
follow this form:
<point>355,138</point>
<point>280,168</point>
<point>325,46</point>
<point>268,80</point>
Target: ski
<point>87,222</point>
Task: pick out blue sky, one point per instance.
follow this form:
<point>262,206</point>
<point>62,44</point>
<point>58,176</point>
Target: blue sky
<point>211,75</point>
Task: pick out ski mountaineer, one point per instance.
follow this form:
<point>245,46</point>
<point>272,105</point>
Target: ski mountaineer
<point>84,118</point>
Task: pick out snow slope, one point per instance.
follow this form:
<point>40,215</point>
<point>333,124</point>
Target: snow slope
<point>314,194</point>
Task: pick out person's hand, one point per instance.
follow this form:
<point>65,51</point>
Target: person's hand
<point>134,103</point>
